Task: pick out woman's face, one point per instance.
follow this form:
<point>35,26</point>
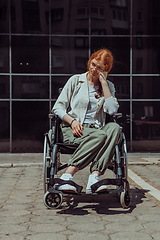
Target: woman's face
<point>96,67</point>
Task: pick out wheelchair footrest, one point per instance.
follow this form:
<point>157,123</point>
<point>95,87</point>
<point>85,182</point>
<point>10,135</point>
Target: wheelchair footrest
<point>106,181</point>
<point>62,182</point>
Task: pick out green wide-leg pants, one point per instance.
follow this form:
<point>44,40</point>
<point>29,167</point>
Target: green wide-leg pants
<point>96,146</point>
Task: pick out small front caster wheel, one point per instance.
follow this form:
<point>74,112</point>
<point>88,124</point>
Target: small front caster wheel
<point>125,199</point>
<point>52,200</point>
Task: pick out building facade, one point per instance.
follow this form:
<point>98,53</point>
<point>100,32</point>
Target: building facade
<point>44,42</point>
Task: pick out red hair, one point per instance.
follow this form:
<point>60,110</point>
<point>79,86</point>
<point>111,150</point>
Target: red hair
<point>103,55</point>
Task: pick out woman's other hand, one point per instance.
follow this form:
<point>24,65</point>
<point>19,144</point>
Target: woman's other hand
<point>77,129</point>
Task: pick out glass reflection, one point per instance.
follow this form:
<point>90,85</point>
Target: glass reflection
<point>30,122</point>
<point>4,16</point>
<point>4,127</point>
<point>29,16</point>
<point>146,126</point>
<point>30,54</point>
<point>146,18</point>
<point>33,87</point>
<point>122,86</point>
<point>146,87</point>
<point>110,17</point>
<point>69,55</point>
<point>119,46</point>
<point>57,84</point>
<point>4,54</point>
<point>4,87</point>
<point>67,16</point>
<point>146,54</point>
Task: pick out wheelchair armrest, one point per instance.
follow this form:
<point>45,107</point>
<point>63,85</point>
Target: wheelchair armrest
<point>55,125</point>
<point>52,115</point>
<point>117,115</point>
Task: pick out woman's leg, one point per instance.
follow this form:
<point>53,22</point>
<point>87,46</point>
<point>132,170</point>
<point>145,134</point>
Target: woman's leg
<point>89,145</point>
<point>72,170</point>
<point>105,154</point>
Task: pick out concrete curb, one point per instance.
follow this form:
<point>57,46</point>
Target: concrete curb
<point>9,165</point>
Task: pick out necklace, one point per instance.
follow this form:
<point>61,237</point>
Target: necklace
<point>91,82</point>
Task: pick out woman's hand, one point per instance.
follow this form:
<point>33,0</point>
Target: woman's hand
<point>104,84</point>
<point>77,129</point>
<point>102,77</point>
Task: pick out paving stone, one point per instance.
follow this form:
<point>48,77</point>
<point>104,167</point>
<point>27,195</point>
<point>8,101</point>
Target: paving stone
<point>14,220</point>
<point>153,226</point>
<point>15,207</point>
<point>11,237</point>
<point>84,219</point>
<point>47,228</point>
<point>119,218</point>
<point>49,219</point>
<point>88,236</point>
<point>42,236</point>
<point>8,229</point>
<point>128,236</point>
<point>90,227</point>
<point>156,235</point>
<point>129,227</point>
<point>149,218</point>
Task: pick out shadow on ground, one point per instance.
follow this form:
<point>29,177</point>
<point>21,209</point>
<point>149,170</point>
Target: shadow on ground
<point>102,204</point>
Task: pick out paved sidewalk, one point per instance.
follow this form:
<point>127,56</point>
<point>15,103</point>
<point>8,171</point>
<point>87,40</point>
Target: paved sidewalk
<point>24,216</point>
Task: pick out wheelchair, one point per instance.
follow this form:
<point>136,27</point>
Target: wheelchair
<point>54,146</point>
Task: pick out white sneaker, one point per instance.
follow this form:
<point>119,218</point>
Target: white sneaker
<point>94,178</point>
<point>67,187</point>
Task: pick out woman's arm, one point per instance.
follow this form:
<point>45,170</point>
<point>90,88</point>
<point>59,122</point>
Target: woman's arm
<point>75,125</point>
<point>62,103</point>
<point>110,102</point>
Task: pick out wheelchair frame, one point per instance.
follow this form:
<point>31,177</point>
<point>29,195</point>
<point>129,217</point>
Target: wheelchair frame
<point>53,198</point>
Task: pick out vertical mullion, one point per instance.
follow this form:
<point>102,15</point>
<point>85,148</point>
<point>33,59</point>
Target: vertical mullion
<point>50,63</point>
<point>89,22</point>
<point>131,2</point>
<point>10,74</point>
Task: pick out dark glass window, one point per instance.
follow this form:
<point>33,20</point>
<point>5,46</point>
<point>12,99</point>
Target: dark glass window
<point>57,14</point>
<point>29,16</point>
<point>58,83</point>
<point>66,16</point>
<point>122,86</point>
<point>4,127</point>
<point>64,57</point>
<point>146,17</point>
<point>146,126</point>
<point>146,54</point>
<point>33,87</point>
<point>4,54</point>
<point>4,87</point>
<point>30,122</point>
<point>146,87</point>
<point>4,17</point>
<point>30,54</point>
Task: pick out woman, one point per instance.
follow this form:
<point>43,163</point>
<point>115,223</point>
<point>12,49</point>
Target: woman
<point>82,105</point>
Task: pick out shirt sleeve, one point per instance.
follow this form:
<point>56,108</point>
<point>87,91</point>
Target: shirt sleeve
<point>60,112</point>
<point>111,105</point>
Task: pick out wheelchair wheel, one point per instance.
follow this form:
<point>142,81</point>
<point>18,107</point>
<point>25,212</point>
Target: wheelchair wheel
<point>46,164</point>
<point>125,199</point>
<point>52,200</point>
<point>123,156</point>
